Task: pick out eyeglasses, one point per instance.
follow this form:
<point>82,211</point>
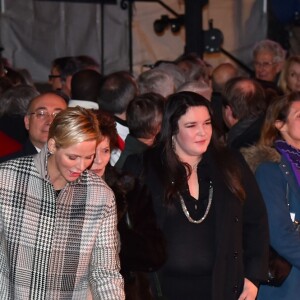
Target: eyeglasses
<point>264,65</point>
<point>42,114</point>
<point>53,76</point>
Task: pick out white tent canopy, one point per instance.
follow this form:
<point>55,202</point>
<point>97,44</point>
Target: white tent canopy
<point>33,33</point>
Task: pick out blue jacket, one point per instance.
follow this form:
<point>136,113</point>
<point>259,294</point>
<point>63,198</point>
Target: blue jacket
<point>279,188</point>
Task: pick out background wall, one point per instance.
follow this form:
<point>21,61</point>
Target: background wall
<point>33,33</point>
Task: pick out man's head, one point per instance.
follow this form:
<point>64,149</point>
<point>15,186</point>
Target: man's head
<point>268,59</point>
<point>144,116</point>
<point>116,91</point>
<point>62,70</point>
<point>156,81</point>
<point>200,87</point>
<point>242,98</point>
<point>15,100</point>
<point>57,66</point>
<point>40,114</point>
<point>193,67</point>
<point>174,71</point>
<point>85,85</point>
<point>221,74</point>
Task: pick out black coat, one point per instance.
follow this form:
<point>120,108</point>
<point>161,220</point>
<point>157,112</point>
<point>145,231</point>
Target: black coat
<point>241,228</point>
<point>142,242</point>
<point>249,136</point>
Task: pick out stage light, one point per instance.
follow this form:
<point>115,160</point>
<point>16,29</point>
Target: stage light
<point>176,24</point>
<point>161,24</point>
<point>213,38</point>
<point>164,22</point>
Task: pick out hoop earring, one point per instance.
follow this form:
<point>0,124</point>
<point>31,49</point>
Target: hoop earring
<point>173,143</point>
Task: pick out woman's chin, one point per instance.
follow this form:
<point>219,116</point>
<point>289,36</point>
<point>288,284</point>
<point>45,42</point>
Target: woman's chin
<point>98,172</point>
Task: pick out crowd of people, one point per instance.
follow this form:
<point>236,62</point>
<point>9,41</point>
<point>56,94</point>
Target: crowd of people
<point>176,183</point>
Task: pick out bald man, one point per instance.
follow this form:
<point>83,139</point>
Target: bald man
<point>197,86</point>
<point>244,108</point>
<point>221,74</point>
<point>40,114</point>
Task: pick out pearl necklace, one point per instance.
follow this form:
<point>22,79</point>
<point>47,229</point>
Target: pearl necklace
<point>186,212</point>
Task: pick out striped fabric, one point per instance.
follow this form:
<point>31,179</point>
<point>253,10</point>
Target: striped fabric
<point>54,248</point>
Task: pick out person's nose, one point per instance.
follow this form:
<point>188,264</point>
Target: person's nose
<point>97,158</point>
<point>50,118</point>
<point>82,165</point>
<point>201,131</point>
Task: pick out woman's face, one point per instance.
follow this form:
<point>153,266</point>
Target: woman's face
<point>293,77</point>
<point>67,164</point>
<point>102,157</point>
<point>194,135</point>
<point>290,130</point>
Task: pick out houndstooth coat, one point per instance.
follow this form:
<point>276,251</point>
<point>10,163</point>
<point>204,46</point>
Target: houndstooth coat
<point>53,247</point>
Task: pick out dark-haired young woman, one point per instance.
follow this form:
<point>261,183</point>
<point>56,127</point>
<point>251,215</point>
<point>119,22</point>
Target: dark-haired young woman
<point>208,205</point>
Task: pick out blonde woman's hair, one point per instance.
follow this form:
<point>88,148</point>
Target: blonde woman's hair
<point>74,125</point>
<point>284,73</point>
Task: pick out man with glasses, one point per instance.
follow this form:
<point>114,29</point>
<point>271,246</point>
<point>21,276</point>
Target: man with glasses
<point>55,77</point>
<point>269,58</point>
<point>40,114</point>
<point>62,70</point>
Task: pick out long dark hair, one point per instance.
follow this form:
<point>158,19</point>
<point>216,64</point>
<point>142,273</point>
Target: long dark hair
<point>177,106</point>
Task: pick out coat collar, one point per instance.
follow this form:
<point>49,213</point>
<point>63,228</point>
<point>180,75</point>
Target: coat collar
<point>40,161</point>
<point>255,155</point>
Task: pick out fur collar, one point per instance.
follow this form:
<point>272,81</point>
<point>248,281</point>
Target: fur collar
<point>255,155</point>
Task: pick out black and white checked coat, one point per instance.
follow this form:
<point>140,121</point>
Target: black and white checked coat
<point>54,248</point>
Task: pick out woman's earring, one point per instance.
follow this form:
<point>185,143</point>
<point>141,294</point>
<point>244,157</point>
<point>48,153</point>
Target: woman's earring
<point>51,145</point>
<point>173,143</point>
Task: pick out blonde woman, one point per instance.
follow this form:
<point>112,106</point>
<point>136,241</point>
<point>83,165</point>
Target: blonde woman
<point>58,220</point>
<point>289,80</point>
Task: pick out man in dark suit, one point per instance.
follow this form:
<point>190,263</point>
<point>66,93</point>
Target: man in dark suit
<point>40,113</point>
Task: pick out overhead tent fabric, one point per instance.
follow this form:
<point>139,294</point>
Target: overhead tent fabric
<point>33,33</point>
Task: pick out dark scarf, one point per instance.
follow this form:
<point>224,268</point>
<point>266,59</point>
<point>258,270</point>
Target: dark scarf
<point>287,150</point>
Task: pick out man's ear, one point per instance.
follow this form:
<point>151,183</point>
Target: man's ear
<point>26,121</point>
<point>51,145</point>
<point>228,117</point>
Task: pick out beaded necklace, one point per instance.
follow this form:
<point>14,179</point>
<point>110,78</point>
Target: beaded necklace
<point>186,212</point>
